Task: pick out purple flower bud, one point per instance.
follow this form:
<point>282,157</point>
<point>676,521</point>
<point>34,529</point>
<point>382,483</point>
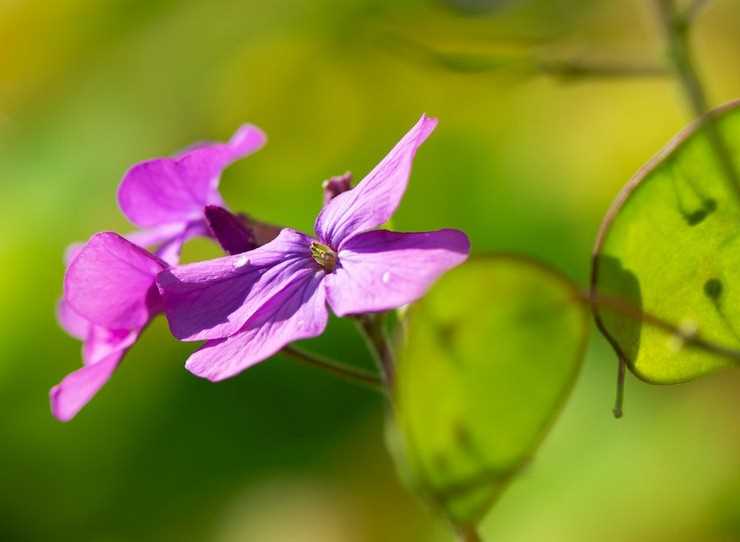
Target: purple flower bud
<point>263,232</point>
<point>231,231</point>
<point>336,185</point>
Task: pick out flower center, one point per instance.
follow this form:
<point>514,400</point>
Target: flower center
<point>324,256</point>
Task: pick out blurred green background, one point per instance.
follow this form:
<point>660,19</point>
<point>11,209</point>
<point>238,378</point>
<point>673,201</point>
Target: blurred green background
<point>521,161</point>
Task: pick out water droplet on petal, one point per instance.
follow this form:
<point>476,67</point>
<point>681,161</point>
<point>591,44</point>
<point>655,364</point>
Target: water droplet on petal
<point>241,261</point>
<point>386,278</point>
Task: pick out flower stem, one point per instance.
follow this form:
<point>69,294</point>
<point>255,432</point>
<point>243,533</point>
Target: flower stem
<point>563,69</point>
<point>575,70</point>
<point>468,534</point>
<point>373,327</point>
<point>339,370</point>
<point>676,27</point>
<point>694,9</point>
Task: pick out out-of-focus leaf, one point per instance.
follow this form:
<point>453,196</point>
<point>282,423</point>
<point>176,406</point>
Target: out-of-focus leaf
<point>670,247</point>
<point>491,354</point>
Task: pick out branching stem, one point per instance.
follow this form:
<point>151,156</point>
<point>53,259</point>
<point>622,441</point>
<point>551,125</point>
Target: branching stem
<point>676,27</point>
<point>689,338</point>
<point>373,328</point>
<point>573,69</point>
<point>563,69</point>
<point>339,370</point>
<point>694,9</point>
<point>469,534</point>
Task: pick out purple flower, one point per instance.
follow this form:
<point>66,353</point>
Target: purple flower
<point>111,276</point>
<point>109,298</point>
<point>166,196</point>
<point>250,305</point>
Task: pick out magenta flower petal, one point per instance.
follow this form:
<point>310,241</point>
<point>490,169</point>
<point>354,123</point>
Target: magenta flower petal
<point>78,387</point>
<point>71,252</point>
<point>214,299</point>
<point>169,250</point>
<point>78,326</point>
<point>246,140</point>
<point>167,190</point>
<point>373,201</point>
<point>381,270</point>
<point>156,235</point>
<point>103,351</point>
<point>111,283</point>
<point>297,312</point>
<point>71,322</point>
<point>110,296</point>
<point>101,343</point>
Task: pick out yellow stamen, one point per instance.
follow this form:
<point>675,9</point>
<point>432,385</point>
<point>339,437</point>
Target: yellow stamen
<point>324,256</point>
